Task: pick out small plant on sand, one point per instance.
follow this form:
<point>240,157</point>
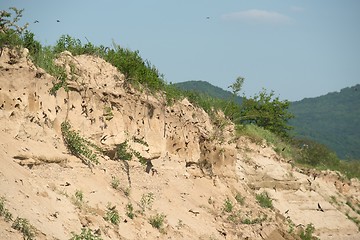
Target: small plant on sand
<point>264,200</point>
<point>157,221</point>
<point>130,211</point>
<point>235,217</point>
<point>60,76</point>
<point>354,219</point>
<point>146,201</point>
<point>228,205</point>
<point>115,182</point>
<point>112,215</point>
<point>353,207</point>
<point>333,200</point>
<point>240,199</point>
<point>122,151</point>
<point>2,205</point>
<point>140,141</point>
<point>291,225</point>
<point>307,233</point>
<point>255,220</point>
<point>4,211</point>
<point>23,226</point>
<point>108,114</point>
<point>141,159</point>
<point>86,234</point>
<point>126,191</point>
<point>78,198</point>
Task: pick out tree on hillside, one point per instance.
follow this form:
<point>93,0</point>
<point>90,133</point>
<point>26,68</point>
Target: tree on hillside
<point>268,112</point>
<point>10,31</point>
<point>236,86</point>
<point>232,107</point>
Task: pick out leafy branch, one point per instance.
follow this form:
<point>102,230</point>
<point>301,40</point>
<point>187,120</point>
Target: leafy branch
<point>77,145</point>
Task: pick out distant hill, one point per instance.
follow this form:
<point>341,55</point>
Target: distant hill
<point>207,88</point>
<point>332,119</point>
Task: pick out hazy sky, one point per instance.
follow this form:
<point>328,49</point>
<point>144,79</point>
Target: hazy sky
<point>297,48</point>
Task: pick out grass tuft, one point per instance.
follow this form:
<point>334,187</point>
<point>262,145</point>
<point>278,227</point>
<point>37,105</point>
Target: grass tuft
<point>264,200</point>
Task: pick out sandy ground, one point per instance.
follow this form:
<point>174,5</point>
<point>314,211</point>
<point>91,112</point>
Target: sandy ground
<point>197,168</point>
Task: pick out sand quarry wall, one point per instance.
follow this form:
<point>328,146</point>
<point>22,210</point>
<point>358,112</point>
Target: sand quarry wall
<point>199,166</point>
<point>103,107</point>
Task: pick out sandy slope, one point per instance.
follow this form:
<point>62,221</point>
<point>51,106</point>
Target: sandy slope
<point>197,165</point>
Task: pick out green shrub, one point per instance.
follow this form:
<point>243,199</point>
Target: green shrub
<point>10,39</point>
<point>316,154</point>
<point>267,111</point>
<point>2,205</point>
<point>31,44</point>
<point>173,94</point>
<point>112,215</point>
<point>126,191</point>
<point>240,199</point>
<point>123,152</point>
<point>135,69</point>
<point>67,43</point>
<point>79,198</point>
<point>307,233</point>
<point>138,155</point>
<point>264,200</point>
<point>108,114</point>
<point>350,168</point>
<point>10,31</point>
<point>86,234</point>
<point>234,217</point>
<point>313,154</point>
<point>146,201</point>
<point>157,221</point>
<point>228,205</point>
<point>77,145</point>
<point>4,211</point>
<point>23,226</point>
<point>115,182</point>
<point>140,141</point>
<point>130,211</point>
<point>254,221</point>
<point>354,219</point>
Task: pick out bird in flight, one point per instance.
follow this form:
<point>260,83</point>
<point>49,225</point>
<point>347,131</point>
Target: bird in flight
<point>320,208</point>
<point>36,21</point>
<point>58,20</point>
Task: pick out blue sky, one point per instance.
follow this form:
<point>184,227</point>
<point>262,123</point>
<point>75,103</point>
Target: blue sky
<point>297,48</point>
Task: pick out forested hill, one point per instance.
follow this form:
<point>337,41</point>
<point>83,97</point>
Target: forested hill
<point>207,88</point>
<point>332,119</point>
